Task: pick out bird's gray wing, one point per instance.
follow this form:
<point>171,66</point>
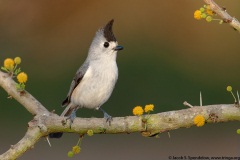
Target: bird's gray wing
<point>76,80</point>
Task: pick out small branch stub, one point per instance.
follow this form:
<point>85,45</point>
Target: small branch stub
<point>185,103</point>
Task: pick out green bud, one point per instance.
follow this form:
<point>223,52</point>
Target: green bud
<point>90,132</point>
<point>238,131</point>
<point>209,18</point>
<point>221,22</point>
<point>70,154</point>
<point>229,88</point>
<point>204,15</point>
<point>17,60</point>
<point>202,9</point>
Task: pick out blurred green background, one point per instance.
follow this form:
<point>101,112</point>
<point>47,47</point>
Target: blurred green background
<point>168,58</point>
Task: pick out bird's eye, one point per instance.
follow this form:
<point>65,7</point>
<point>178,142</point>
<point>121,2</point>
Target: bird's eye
<point>106,44</point>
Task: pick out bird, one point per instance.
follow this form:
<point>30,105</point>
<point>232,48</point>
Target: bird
<point>95,80</point>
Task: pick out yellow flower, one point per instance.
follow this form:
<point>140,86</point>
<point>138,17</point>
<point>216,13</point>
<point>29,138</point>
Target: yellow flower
<point>76,149</point>
<point>197,14</point>
<point>207,7</point>
<point>149,108</point>
<point>209,12</point>
<point>229,88</point>
<point>137,111</point>
<point>9,63</point>
<point>22,77</point>
<point>199,120</point>
<point>90,132</point>
<point>17,60</point>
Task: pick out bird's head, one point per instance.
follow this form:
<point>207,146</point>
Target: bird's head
<point>104,43</point>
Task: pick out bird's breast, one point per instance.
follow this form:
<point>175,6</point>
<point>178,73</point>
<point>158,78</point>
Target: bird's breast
<point>96,86</point>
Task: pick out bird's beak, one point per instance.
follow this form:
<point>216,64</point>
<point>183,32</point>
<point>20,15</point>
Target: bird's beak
<point>118,48</point>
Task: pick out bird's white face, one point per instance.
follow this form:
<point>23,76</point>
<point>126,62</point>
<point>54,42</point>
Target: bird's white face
<point>108,47</point>
<point>101,48</point>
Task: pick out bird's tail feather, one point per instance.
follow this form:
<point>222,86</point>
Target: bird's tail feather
<point>67,112</point>
<point>66,102</point>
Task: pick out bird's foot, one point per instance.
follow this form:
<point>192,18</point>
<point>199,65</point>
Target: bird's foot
<point>72,117</point>
<point>59,134</point>
<point>107,117</point>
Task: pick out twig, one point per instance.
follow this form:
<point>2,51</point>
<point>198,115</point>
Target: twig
<point>238,98</point>
<point>27,142</point>
<point>185,103</point>
<point>48,141</point>
<point>223,14</point>
<point>27,100</point>
<point>200,98</point>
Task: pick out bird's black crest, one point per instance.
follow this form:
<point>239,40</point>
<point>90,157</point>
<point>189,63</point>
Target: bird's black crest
<point>107,30</point>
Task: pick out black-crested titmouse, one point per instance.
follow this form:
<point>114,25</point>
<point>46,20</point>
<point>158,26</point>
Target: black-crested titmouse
<point>96,78</point>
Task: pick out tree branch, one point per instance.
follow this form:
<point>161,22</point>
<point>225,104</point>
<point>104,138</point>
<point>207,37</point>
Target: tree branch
<point>156,123</point>
<point>149,125</point>
<point>223,14</point>
<point>26,99</point>
<point>27,142</point>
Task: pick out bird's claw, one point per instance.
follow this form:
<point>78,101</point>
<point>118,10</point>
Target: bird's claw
<point>109,120</point>
<point>107,117</point>
<point>71,117</point>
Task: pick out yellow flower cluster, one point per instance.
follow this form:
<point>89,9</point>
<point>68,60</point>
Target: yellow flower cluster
<point>22,77</point>
<point>209,11</point>
<point>197,14</point>
<point>149,108</point>
<point>199,120</point>
<point>8,64</point>
<point>138,110</point>
<point>206,13</point>
<point>76,149</point>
